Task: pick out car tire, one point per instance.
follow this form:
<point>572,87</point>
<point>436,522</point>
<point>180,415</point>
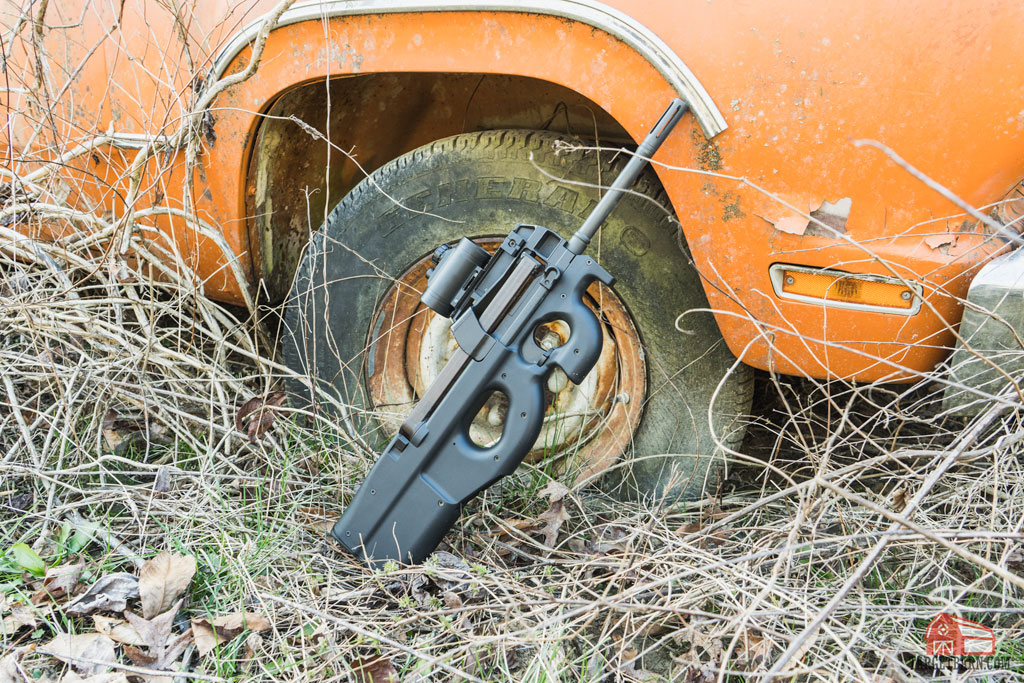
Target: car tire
<point>482,185</point>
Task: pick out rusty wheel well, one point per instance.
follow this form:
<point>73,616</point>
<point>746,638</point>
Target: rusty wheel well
<point>295,177</point>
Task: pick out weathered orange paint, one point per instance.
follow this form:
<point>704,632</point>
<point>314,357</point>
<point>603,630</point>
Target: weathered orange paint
<point>797,81</point>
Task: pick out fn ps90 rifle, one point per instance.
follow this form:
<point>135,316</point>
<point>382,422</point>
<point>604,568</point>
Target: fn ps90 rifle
<point>414,492</point>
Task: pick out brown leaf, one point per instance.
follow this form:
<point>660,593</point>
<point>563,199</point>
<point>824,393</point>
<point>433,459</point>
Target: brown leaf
<point>117,629</point>
<point>691,528</point>
<point>111,593</point>
<point>253,642</point>
<point>555,515</point>
<point>374,670</point>
<point>162,482</point>
<point>120,432</point>
<point>443,572</point>
<point>111,434</point>
<point>754,650</point>
<point>20,617</point>
<point>451,599</point>
<point>162,647</point>
<point>630,661</point>
<point>87,653</point>
<point>9,670</point>
<point>256,416</point>
<point>318,518</point>
<point>1015,560</point>
<point>59,582</point>
<point>553,518</point>
<point>554,491</point>
<point>162,580</point>
<point>211,633</point>
<point>519,524</point>
<point>899,499</point>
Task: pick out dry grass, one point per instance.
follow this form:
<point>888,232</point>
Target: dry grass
<point>118,408</point>
<point>853,514</point>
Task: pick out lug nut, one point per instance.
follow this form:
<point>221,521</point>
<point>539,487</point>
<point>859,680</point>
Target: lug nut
<point>550,341</point>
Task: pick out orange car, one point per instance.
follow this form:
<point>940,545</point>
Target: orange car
<point>780,229</point>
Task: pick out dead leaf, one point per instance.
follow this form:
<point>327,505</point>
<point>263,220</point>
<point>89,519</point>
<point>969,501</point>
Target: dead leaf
<point>117,629</point>
<point>754,650</point>
<point>211,633</point>
<point>451,599</point>
<point>162,647</point>
<point>256,416</point>
<point>9,670</point>
<point>20,617</point>
<point>553,518</point>
<point>110,677</point>
<point>121,432</point>
<point>1015,560</point>
<point>697,675</point>
<point>318,518</point>
<point>162,482</point>
<point>631,660</point>
<point>899,499</point>
<point>691,528</point>
<point>87,653</point>
<point>253,642</point>
<point>162,580</point>
<point>443,572</point>
<point>518,524</point>
<point>554,491</point>
<point>555,515</point>
<point>59,582</point>
<point>375,670</point>
<point>111,593</point>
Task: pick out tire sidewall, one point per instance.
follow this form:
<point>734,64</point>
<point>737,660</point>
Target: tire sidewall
<point>482,185</point>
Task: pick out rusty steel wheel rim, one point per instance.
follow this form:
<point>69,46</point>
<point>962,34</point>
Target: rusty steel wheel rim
<point>592,423</point>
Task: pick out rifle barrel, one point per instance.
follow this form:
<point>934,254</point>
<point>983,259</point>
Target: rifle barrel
<point>644,152</point>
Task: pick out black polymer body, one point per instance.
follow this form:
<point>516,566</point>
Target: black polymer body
<point>414,492</point>
<point>416,489</point>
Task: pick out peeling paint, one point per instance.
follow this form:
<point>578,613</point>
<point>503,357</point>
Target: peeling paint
<point>943,240</point>
<point>794,225</point>
<point>832,214</point>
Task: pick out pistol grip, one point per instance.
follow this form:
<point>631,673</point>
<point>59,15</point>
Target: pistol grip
<point>578,355</point>
<point>465,468</point>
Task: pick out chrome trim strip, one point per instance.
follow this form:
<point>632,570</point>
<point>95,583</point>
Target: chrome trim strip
<point>595,14</point>
<point>775,273</point>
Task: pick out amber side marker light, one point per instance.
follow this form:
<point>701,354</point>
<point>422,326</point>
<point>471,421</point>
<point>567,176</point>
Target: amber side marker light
<point>840,289</point>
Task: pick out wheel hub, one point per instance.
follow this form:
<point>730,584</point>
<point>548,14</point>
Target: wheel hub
<point>410,344</point>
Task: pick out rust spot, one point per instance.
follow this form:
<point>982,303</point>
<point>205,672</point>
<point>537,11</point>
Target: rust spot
<point>731,207</point>
<point>405,332</point>
<point>708,155</point>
